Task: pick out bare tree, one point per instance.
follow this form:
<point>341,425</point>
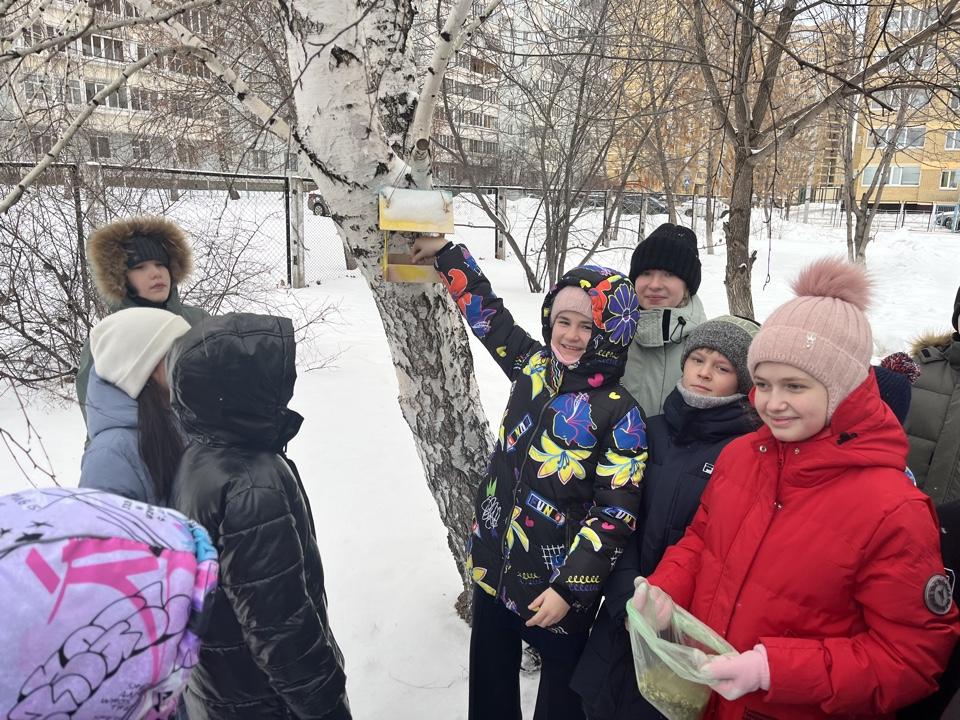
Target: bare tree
<point>741,48</point>
<point>359,129</point>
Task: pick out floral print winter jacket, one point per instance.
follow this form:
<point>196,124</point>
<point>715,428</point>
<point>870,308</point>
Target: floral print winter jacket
<point>562,490</point>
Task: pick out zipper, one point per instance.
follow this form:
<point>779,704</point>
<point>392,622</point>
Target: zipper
<point>777,507</point>
<point>516,483</point>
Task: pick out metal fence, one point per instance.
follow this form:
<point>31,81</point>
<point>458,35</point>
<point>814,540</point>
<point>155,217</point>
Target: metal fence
<point>264,221</point>
<point>938,219</point>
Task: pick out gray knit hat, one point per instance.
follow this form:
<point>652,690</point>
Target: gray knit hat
<point>730,335</point>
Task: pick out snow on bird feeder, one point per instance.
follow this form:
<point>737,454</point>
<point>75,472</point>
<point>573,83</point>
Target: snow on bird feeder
<point>423,212</point>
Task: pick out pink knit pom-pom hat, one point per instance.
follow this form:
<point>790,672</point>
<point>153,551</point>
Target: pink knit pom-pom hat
<point>823,331</point>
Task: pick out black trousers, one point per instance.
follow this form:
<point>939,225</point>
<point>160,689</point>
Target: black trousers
<point>495,648</point>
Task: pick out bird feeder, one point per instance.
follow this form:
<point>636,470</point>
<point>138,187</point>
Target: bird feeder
<point>422,212</point>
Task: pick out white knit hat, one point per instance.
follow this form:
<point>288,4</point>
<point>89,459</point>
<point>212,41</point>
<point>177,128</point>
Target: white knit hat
<point>128,345</point>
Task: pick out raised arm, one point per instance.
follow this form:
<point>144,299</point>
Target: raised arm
<point>489,320</point>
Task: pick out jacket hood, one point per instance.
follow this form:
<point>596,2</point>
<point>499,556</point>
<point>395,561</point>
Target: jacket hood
<point>108,407</point>
<point>616,310</point>
<point>688,424</point>
<point>863,433</point>
<point>108,258</point>
<point>661,326</point>
<point>931,339</point>
<point>231,377</point>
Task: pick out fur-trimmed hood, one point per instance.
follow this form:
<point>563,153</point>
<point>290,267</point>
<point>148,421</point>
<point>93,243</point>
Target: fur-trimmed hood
<point>108,258</point>
<point>930,339</point>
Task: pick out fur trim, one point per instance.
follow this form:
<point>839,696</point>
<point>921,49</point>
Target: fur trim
<point>930,339</point>
<point>108,259</point>
<point>836,278</point>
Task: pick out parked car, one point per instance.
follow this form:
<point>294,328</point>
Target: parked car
<point>316,204</point>
<point>720,208</point>
<point>944,219</point>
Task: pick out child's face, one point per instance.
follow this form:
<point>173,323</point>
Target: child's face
<point>659,288</point>
<point>572,331</point>
<point>708,372</point>
<point>792,403</point>
<point>151,280</point>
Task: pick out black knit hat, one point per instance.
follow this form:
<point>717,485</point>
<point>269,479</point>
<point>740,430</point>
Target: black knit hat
<point>672,248</point>
<point>894,391</point>
<point>956,312</point>
<point>141,248</point>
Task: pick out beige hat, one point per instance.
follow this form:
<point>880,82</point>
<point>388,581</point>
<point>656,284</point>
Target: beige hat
<point>128,345</point>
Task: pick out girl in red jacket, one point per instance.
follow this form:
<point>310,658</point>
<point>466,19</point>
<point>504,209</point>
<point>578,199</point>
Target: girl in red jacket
<point>811,552</point>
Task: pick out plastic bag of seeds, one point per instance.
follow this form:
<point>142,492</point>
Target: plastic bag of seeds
<point>667,661</point>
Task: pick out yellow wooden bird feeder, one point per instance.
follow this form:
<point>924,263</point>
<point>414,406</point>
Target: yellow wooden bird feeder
<point>412,211</point>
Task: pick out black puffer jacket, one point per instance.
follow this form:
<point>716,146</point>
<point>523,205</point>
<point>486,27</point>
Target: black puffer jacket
<point>269,651</point>
<point>684,444</point>
<point>562,490</point>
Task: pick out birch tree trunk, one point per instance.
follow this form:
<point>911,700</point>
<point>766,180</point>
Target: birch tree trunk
<point>355,94</point>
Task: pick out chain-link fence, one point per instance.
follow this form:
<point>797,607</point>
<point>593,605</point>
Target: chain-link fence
<point>249,233</point>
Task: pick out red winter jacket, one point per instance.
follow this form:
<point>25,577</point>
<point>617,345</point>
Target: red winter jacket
<point>821,550</point>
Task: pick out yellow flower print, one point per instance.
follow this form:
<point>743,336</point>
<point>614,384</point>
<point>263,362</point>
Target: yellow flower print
<point>516,532</point>
<point>536,368</point>
<point>622,469</point>
<point>589,534</point>
<point>555,459</point>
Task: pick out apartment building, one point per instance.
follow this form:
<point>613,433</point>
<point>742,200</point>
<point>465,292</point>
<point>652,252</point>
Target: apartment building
<point>166,115</point>
<point>919,118</point>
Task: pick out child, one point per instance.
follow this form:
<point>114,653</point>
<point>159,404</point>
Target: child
<point>270,652</point>
<point>665,270</point>
<point>706,410</point>
<point>137,262</point>
<point>134,438</point>
<point>562,492</point>
<point>811,553</point>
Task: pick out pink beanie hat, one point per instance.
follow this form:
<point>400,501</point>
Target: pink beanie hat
<point>573,299</point>
<point>823,331</point>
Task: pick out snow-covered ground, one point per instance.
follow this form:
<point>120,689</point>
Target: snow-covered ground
<point>390,578</point>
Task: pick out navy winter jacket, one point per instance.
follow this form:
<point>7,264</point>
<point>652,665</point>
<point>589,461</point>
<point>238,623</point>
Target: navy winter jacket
<point>684,443</point>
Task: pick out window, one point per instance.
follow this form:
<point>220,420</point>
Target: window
<point>117,7</point>
<point>197,20</point>
<point>99,147</point>
<point>37,33</point>
<point>293,161</point>
<point>954,102</point>
<point>950,179</point>
<point>258,159</point>
<point>953,140</point>
<point>42,144</point>
<point>117,99</point>
<point>74,92</point>
<point>103,47</point>
<point>186,152</point>
<point>906,176</point>
<point>37,89</point>
<point>140,148</point>
<point>143,99</point>
<point>910,18</point>
<point>909,137</point>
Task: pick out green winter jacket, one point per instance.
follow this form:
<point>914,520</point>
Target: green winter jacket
<point>653,363</point>
<point>933,425</point>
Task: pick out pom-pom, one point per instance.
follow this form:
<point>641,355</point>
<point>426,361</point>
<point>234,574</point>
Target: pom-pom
<point>902,363</point>
<point>836,278</point>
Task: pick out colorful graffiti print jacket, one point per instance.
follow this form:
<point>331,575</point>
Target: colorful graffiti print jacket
<point>562,492</point>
